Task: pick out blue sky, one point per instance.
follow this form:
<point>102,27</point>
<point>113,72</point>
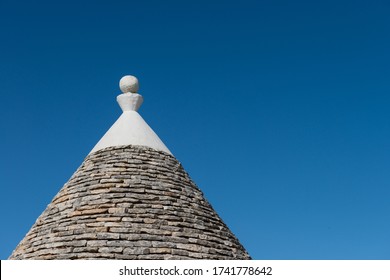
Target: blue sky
<point>278,110</point>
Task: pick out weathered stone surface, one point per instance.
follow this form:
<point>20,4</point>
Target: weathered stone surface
<point>129,202</point>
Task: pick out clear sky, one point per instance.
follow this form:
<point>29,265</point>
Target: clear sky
<point>278,110</point>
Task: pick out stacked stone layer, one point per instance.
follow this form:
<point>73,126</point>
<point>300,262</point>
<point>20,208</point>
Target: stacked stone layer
<point>129,202</point>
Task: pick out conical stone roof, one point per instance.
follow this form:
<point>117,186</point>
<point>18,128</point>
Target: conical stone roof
<point>130,201</point>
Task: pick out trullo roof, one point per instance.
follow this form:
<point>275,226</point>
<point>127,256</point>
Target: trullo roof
<point>130,199</point>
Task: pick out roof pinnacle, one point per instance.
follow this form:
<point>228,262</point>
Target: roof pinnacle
<point>130,128</point>
<point>129,100</point>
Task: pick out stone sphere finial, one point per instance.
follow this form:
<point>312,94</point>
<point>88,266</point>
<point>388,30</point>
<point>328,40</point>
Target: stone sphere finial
<point>129,84</point>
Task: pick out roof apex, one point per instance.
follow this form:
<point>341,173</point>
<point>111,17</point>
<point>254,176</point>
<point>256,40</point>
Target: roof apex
<point>130,128</point>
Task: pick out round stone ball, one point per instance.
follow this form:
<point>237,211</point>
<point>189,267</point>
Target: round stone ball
<point>129,83</point>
